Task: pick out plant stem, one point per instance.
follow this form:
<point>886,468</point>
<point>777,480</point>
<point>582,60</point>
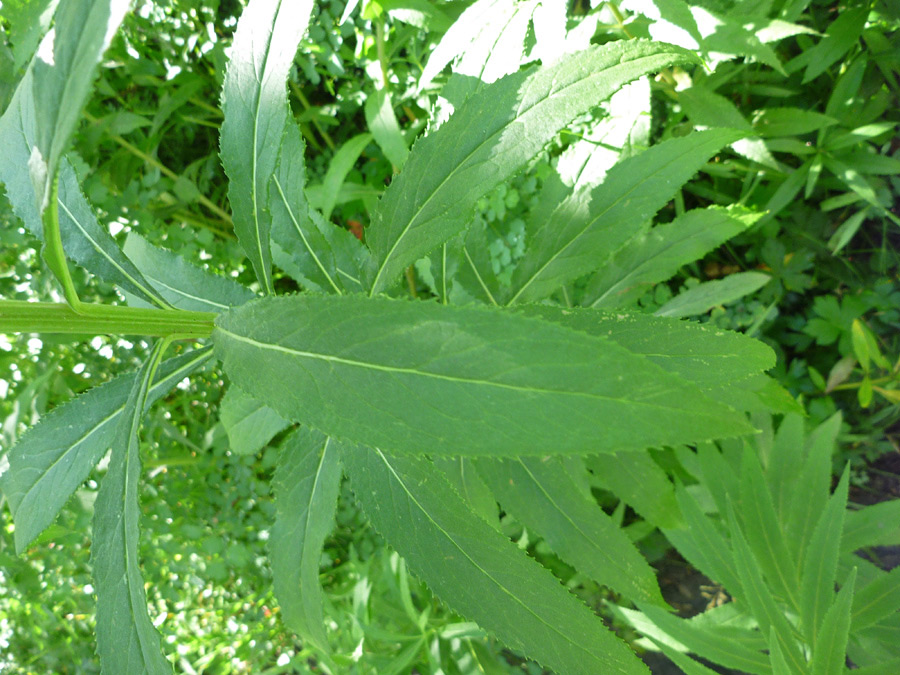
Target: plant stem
<point>17,316</point>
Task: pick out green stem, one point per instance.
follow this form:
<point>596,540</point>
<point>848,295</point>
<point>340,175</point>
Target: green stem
<point>17,316</point>
<point>53,252</point>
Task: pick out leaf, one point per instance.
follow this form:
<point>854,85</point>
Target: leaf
<point>254,103</point>
<point>127,641</point>
<point>546,496</point>
<point>456,380</point>
<point>316,253</point>
<point>702,298</point>
<point>182,284</point>
<point>640,482</point>
<point>306,485</point>
<point>707,644</point>
<point>84,240</point>
<point>875,525</point>
<point>759,598</point>
<point>588,227</point>
<point>338,168</point>
<point>451,168</point>
<point>28,20</point>
<point>476,570</point>
<point>250,425</point>
<point>656,255</point>
<point>771,122</point>
<point>56,455</point>
<point>385,129</point>
<point>63,69</point>
<point>697,353</point>
<point>830,655</point>
<point>463,475</point>
<point>821,563</point>
<point>840,36</point>
<point>877,600</point>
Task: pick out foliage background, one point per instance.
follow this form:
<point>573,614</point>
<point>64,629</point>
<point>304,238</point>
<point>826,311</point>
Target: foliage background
<point>149,151</point>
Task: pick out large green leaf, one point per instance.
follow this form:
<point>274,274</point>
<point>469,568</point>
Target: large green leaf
<point>182,284</point>
<point>489,137</point>
<point>657,254</point>
<point>306,484</point>
<point>127,642</point>
<point>56,455</point>
<point>414,376</point>
<point>63,69</point>
<point>254,102</point>
<point>590,225</point>
<point>547,497</point>
<point>476,570</point>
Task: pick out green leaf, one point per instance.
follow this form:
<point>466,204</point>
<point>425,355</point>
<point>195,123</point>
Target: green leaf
<point>464,476</point>
<point>758,595</point>
<point>707,644</point>
<point>56,455</point>
<point>840,36</point>
<point>636,479</point>
<point>451,168</point>
<point>656,255</point>
<point>338,168</point>
<point>254,103</point>
<point>182,284</point>
<point>698,354</point>
<point>830,654</point>
<point>877,600</point>
<point>28,20</point>
<point>127,641</point>
<point>385,129</point>
<point>63,69</point>
<point>456,380</point>
<point>546,496</point>
<point>703,297</point>
<point>84,240</point>
<point>784,463</point>
<point>764,532</point>
<point>306,485</point>
<point>875,525</point>
<point>250,424</point>
<point>772,122</point>
<point>313,251</point>
<point>590,225</point>
<point>821,563</point>
<point>476,570</point>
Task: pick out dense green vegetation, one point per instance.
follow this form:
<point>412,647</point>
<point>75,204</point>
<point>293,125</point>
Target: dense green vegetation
<point>504,230</point>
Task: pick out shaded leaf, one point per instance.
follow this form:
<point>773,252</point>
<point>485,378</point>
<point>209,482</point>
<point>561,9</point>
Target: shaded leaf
<point>250,424</point>
<point>127,641</point>
<point>830,654</point>
<point>306,485</point>
<point>476,570</point>
<point>703,297</point>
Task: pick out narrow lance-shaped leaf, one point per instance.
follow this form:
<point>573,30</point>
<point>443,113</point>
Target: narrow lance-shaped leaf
<point>63,69</point>
<point>590,225</point>
<point>830,655</point>
<point>184,285</point>
<point>494,133</point>
<point>84,240</point>
<point>254,103</point>
<point>476,570</point>
<point>127,641</point>
<point>547,497</point>
<point>408,375</point>
<point>56,455</point>
<point>306,484</point>
<point>703,297</point>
